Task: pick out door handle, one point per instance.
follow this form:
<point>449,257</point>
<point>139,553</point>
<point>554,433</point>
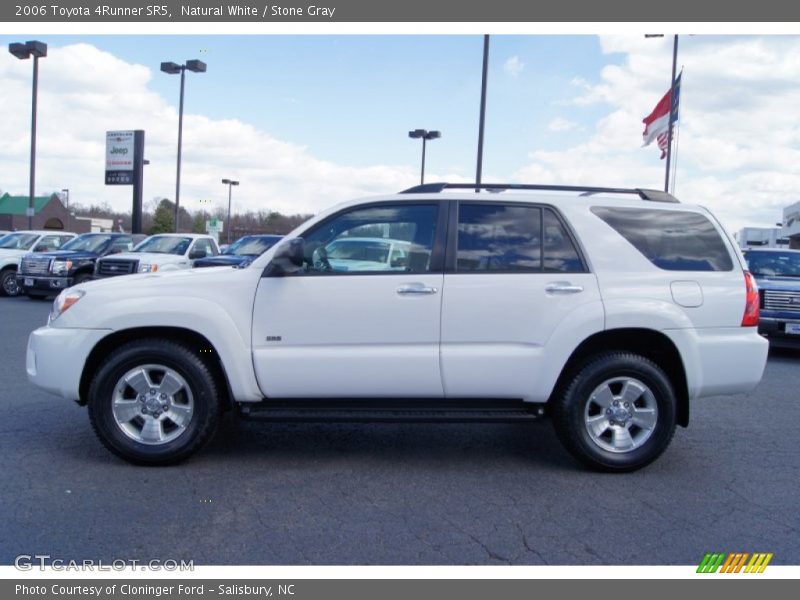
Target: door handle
<point>563,287</point>
<point>416,288</point>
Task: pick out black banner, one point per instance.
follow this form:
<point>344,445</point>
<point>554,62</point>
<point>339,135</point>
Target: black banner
<point>397,589</point>
<point>440,11</point>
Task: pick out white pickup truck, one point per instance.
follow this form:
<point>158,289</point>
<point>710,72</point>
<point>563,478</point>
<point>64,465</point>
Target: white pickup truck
<point>162,252</point>
<point>13,246</point>
<point>610,312</point>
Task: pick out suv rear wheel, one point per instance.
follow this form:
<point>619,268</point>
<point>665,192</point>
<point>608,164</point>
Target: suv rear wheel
<point>153,402</point>
<point>618,412</point>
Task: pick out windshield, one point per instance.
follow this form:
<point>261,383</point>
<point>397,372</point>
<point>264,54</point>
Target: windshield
<point>18,241</point>
<point>163,244</point>
<point>89,242</point>
<point>251,245</point>
<point>359,250</point>
<point>772,264</point>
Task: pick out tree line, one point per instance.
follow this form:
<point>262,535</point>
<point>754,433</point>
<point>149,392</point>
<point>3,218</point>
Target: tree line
<point>158,217</point>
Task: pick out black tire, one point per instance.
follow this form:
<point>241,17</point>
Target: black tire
<point>8,283</point>
<point>572,409</point>
<point>206,403</point>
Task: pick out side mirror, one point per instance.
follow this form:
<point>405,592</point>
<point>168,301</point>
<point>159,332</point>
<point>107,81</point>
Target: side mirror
<point>195,254</point>
<point>288,258</point>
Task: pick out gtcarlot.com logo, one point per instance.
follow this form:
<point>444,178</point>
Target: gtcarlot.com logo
<point>734,562</point>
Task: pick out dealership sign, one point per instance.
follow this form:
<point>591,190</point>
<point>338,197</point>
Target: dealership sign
<point>120,157</point>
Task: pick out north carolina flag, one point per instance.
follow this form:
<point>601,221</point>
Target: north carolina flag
<point>656,124</point>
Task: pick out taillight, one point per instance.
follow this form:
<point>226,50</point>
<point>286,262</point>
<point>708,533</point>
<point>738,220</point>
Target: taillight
<point>750,318</point>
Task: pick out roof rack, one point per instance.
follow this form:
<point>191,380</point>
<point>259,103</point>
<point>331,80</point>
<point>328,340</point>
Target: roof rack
<point>643,193</point>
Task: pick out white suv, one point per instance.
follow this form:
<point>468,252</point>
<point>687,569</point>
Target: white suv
<point>610,310</point>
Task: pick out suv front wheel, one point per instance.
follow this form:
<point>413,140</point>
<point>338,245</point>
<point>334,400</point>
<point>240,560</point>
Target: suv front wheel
<point>153,402</point>
<point>617,413</point>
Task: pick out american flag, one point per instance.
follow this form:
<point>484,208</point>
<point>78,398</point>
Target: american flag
<point>656,124</point>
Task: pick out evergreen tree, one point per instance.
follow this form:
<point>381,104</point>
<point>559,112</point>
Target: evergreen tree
<point>199,223</point>
<point>163,221</point>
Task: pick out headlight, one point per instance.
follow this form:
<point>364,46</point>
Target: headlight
<point>59,267</point>
<point>65,299</point>
<point>148,268</point>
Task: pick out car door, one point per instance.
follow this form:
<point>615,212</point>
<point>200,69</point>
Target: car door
<point>514,277</point>
<point>356,324</point>
<point>204,245</point>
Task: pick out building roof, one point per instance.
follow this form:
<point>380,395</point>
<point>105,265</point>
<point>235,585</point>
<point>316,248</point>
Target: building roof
<point>17,205</point>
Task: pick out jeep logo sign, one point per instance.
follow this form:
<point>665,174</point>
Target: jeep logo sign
<point>119,157</point>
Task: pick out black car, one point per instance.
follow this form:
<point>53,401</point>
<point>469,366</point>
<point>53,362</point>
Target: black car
<point>42,274</point>
<point>241,253</point>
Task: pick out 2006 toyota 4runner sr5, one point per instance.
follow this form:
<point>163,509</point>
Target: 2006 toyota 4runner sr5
<point>609,310</point>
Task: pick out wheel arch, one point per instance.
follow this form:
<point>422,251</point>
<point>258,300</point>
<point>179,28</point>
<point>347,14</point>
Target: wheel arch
<point>192,339</point>
<point>649,343</point>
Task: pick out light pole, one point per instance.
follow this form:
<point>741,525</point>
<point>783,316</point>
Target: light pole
<point>65,191</point>
<point>230,183</point>
<point>425,136</point>
<point>171,68</point>
<point>24,51</point>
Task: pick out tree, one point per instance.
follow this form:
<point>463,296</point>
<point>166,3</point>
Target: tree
<point>163,221</point>
<point>198,223</point>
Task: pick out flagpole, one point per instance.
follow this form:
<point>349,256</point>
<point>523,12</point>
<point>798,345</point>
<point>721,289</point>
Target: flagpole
<point>669,119</point>
<point>482,117</point>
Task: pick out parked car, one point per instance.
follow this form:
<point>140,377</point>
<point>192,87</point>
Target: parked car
<point>14,245</point>
<point>162,252</point>
<point>612,312</point>
<point>241,253</point>
<point>363,254</point>
<point>777,272</point>
<point>47,273</point>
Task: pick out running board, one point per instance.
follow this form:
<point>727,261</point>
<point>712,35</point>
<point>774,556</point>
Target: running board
<point>392,411</point>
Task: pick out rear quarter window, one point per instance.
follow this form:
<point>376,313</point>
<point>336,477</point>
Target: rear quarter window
<point>670,239</point>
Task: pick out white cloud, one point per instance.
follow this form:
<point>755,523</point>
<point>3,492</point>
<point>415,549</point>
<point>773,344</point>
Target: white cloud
<point>739,140</point>
<point>560,124</point>
<point>513,66</point>
<point>83,92</point>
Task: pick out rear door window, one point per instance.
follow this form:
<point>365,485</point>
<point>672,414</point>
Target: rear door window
<point>513,238</point>
<point>670,239</point>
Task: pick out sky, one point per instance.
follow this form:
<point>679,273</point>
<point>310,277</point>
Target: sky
<point>304,122</point>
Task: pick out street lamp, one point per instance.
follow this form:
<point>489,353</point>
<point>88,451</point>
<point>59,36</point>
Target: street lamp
<point>425,136</point>
<point>171,68</point>
<point>24,51</point>
<point>65,191</point>
<point>230,183</point>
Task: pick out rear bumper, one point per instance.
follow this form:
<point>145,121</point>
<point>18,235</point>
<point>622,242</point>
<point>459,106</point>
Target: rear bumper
<point>56,357</point>
<point>721,360</point>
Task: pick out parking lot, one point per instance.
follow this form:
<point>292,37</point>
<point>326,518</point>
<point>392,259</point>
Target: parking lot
<point>396,494</point>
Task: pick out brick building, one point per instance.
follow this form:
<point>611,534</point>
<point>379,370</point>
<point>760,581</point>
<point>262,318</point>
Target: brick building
<point>49,213</point>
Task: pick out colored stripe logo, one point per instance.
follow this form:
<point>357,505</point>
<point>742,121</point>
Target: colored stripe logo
<point>734,562</point>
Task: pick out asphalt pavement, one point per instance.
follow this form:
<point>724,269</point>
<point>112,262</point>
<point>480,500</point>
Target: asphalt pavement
<point>396,493</point>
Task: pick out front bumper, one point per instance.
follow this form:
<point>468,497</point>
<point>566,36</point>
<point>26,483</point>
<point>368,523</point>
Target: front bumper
<point>41,283</point>
<point>56,358</point>
<point>775,328</point>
